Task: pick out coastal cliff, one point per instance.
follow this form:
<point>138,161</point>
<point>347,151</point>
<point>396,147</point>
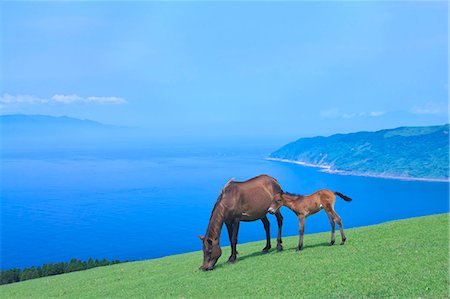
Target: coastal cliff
<point>405,152</point>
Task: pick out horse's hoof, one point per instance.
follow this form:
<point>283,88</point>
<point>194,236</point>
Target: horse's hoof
<point>231,260</point>
<point>279,248</point>
<point>343,242</point>
<point>265,250</point>
<point>332,243</point>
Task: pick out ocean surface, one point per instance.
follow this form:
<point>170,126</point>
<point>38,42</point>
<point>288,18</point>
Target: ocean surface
<point>148,203</point>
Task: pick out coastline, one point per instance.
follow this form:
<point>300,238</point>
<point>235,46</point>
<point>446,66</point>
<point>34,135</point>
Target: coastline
<point>328,169</point>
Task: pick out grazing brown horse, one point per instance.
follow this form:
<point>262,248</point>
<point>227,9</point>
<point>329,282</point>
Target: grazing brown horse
<point>305,205</point>
<point>240,201</point>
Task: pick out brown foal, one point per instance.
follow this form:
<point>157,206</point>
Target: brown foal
<point>305,205</point>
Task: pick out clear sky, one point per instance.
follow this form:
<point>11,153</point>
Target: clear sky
<point>289,69</point>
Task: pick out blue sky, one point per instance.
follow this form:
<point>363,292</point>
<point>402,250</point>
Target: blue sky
<point>229,68</point>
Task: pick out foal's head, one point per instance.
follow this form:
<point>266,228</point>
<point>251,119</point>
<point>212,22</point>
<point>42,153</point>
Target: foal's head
<point>211,253</point>
<point>277,202</point>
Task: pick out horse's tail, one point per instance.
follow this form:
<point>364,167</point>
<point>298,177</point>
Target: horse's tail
<point>346,198</point>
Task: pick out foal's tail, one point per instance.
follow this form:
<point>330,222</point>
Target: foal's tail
<point>346,198</point>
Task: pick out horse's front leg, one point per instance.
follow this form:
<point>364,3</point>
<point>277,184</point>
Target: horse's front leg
<point>280,224</point>
<point>230,230</point>
<point>234,241</point>
<point>301,220</point>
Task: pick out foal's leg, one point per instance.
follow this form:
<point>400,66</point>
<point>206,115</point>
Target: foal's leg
<point>280,224</point>
<point>232,258</point>
<point>301,220</point>
<point>266,223</point>
<point>333,227</point>
<point>338,220</point>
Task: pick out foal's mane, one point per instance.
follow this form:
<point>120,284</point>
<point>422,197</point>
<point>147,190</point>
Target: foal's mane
<point>294,194</point>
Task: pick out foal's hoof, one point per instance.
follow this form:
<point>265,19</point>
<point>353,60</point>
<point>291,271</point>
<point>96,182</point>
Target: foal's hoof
<point>332,243</point>
<point>279,248</point>
<point>343,241</point>
<point>266,250</point>
<point>299,248</point>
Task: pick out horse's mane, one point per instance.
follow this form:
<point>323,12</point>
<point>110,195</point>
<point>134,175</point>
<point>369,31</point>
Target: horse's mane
<point>217,211</point>
<point>226,185</point>
<point>219,199</point>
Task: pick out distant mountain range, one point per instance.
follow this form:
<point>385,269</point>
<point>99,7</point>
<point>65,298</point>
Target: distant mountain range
<point>25,123</point>
<point>406,152</point>
<point>33,133</point>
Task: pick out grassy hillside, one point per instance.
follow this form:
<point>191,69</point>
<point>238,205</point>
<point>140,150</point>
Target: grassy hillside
<point>419,152</point>
<point>406,258</point>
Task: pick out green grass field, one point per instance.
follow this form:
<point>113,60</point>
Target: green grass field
<point>406,258</point>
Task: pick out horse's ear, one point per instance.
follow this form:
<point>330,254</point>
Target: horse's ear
<point>201,237</point>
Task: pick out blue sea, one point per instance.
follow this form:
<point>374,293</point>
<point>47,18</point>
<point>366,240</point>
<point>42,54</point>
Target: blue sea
<point>151,202</point>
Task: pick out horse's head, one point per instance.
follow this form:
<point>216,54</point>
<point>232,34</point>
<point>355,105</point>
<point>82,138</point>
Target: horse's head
<point>211,253</point>
<point>277,202</point>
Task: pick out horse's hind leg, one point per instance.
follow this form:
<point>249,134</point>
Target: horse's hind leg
<point>266,223</point>
<point>280,225</point>
<point>338,220</point>
<point>333,227</point>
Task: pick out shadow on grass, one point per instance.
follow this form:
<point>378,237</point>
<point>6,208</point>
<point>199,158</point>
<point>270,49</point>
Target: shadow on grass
<point>272,251</point>
<point>306,247</point>
<point>239,258</point>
